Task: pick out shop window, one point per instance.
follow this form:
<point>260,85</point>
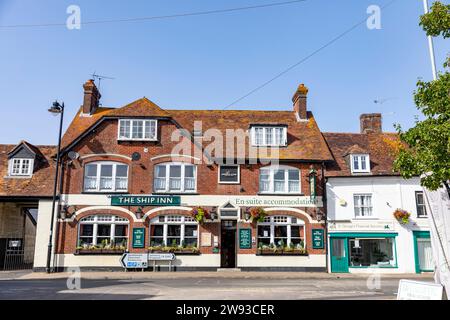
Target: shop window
<point>173,231</point>
<point>137,129</point>
<point>360,163</point>
<point>420,205</point>
<point>372,252</point>
<point>279,179</point>
<point>105,177</point>
<point>281,231</point>
<point>21,167</point>
<point>103,231</point>
<point>363,205</point>
<point>175,177</point>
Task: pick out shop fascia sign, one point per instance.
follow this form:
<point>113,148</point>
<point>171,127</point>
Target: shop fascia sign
<point>361,226</point>
<point>126,200</point>
<point>277,201</point>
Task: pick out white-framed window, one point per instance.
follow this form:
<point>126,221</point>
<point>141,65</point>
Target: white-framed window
<point>281,231</point>
<point>173,230</point>
<point>137,129</point>
<point>175,177</point>
<point>363,205</point>
<point>420,205</point>
<point>105,176</point>
<point>21,167</point>
<point>103,231</point>
<point>360,163</point>
<point>229,174</point>
<point>269,136</point>
<point>279,179</point>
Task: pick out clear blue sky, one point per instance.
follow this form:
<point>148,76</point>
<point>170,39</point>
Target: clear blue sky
<point>209,61</point>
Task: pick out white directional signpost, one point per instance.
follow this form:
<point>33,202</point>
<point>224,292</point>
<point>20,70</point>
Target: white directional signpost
<point>134,261</point>
<point>161,257</point>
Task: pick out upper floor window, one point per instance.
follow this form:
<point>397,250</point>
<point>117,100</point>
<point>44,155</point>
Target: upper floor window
<point>105,177</point>
<point>363,205</point>
<point>173,230</point>
<point>420,205</point>
<point>175,177</point>
<point>281,231</point>
<point>279,179</point>
<point>360,163</point>
<point>269,136</point>
<point>20,167</point>
<point>137,129</point>
<point>103,230</point>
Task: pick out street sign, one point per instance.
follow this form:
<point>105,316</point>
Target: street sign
<point>138,237</point>
<point>161,256</point>
<point>317,238</point>
<point>134,260</point>
<point>145,200</point>
<point>245,238</point>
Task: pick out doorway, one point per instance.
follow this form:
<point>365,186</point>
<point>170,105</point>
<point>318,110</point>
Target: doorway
<point>423,252</point>
<point>228,244</point>
<point>339,258</point>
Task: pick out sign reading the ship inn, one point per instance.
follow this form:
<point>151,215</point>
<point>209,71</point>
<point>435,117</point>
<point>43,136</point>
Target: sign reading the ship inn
<point>145,200</point>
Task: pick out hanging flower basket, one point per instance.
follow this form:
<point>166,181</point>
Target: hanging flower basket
<point>402,216</point>
<point>257,214</point>
<point>200,214</point>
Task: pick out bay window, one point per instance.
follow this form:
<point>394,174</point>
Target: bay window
<point>105,177</point>
<point>137,129</point>
<point>175,177</point>
<point>103,231</point>
<point>280,179</point>
<point>281,231</point>
<point>174,231</point>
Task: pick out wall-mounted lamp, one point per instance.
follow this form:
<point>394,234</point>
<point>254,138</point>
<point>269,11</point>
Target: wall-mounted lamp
<point>139,213</point>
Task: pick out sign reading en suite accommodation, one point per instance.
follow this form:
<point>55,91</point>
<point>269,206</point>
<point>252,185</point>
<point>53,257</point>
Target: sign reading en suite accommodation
<point>145,200</point>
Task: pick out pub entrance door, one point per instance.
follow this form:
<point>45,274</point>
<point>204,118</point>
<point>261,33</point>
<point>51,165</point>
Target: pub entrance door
<point>228,244</point>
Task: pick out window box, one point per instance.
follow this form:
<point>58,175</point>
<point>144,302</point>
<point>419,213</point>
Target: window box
<point>281,252</point>
<point>176,250</point>
<point>99,251</point>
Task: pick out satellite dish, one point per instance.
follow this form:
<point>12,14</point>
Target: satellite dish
<point>135,156</point>
<point>73,155</point>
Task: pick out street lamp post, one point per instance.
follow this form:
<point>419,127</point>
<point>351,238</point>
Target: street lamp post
<point>55,109</point>
<point>430,45</point>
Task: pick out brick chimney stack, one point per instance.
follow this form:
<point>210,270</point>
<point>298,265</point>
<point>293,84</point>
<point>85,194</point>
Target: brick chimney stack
<point>299,100</point>
<point>91,97</point>
<point>371,123</point>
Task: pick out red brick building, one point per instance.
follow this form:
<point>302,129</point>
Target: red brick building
<point>218,188</point>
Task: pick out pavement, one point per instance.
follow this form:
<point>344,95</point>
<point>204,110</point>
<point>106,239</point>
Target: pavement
<point>200,285</point>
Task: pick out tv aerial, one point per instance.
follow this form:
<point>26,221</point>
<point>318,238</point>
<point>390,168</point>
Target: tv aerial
<point>382,100</point>
<point>100,78</point>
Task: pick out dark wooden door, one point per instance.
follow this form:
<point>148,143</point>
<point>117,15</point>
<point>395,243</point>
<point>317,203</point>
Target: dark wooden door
<point>228,244</point>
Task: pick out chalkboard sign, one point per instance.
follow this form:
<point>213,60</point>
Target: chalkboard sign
<point>245,238</point>
<point>138,237</point>
<point>317,238</point>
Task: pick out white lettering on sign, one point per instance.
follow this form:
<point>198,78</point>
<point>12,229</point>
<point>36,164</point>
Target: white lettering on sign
<point>360,226</point>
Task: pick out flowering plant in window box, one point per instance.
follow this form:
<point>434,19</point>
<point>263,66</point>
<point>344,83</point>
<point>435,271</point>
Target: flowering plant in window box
<point>273,250</point>
<point>402,216</point>
<point>257,214</point>
<point>104,247</point>
<point>174,249</point>
<point>200,214</point>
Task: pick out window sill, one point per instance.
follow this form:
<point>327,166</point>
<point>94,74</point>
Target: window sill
<point>98,252</point>
<point>175,193</point>
<point>105,192</point>
<point>18,177</point>
<point>137,140</point>
<point>373,267</point>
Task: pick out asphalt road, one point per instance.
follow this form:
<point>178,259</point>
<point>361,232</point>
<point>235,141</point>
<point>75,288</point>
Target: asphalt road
<point>219,288</point>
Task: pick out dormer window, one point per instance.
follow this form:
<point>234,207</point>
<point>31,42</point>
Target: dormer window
<point>269,136</point>
<point>360,163</point>
<point>137,129</point>
<point>20,167</point>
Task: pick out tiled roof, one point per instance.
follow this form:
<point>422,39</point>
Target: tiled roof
<point>39,185</point>
<point>305,141</point>
<point>381,148</point>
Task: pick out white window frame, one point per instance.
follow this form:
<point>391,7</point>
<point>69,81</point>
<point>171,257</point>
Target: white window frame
<point>272,223</point>
<point>230,182</point>
<point>420,205</point>
<point>130,138</point>
<point>371,216</point>
<point>358,157</point>
<point>21,161</point>
<point>96,221</point>
<point>167,177</point>
<point>272,170</point>
<point>264,140</point>
<point>98,177</point>
<point>167,221</point>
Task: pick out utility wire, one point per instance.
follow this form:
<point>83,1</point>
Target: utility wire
<point>329,43</point>
<point>187,14</point>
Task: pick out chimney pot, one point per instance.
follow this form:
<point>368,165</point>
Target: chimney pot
<point>371,123</point>
<point>300,101</point>
<point>91,97</point>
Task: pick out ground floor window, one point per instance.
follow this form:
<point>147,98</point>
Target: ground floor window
<point>281,231</point>
<point>173,231</point>
<point>372,252</point>
<point>103,231</point>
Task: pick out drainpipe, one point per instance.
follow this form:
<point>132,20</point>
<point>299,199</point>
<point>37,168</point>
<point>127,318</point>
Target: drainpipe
<point>324,200</point>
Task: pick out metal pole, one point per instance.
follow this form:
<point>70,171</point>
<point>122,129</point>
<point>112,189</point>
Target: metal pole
<point>50,240</point>
<point>430,45</point>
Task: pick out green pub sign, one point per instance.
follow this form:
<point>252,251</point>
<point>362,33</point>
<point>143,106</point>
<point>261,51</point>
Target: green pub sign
<point>145,200</point>
<point>138,237</point>
<point>317,238</point>
<point>245,238</point>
